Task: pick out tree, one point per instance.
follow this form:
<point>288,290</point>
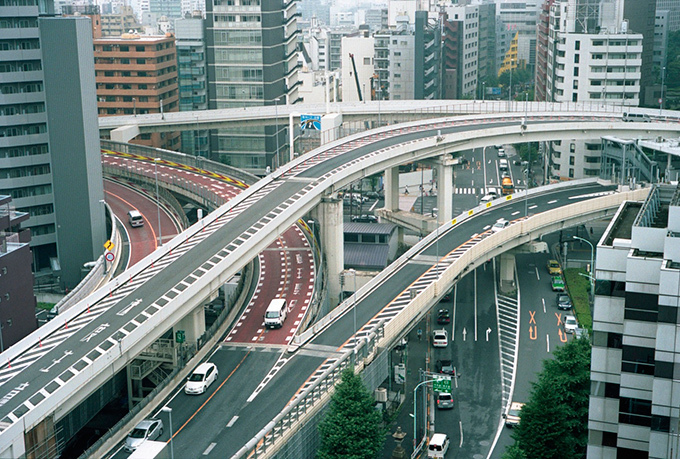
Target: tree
<point>555,419</point>
<point>352,428</point>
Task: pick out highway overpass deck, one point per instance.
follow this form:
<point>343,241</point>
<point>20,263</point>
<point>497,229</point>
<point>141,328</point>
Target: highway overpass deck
<point>50,369</point>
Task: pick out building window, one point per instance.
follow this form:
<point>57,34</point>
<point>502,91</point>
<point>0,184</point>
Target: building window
<point>638,360</point>
<point>577,45</point>
<point>575,71</point>
<point>571,173</point>
<point>635,411</point>
<point>572,147</point>
<point>609,439</point>
<point>571,160</point>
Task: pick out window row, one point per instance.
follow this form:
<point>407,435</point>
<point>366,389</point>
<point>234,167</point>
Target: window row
<point>29,150</point>
<point>29,129</point>
<point>27,191</point>
<point>20,66</point>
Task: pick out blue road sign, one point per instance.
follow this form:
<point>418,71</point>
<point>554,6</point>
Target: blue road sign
<point>312,122</point>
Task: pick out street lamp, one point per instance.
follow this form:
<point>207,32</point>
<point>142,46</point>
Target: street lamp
<point>525,172</point>
<point>663,80</point>
<point>158,202</point>
<point>592,267</point>
<point>168,410</point>
<point>415,413</point>
<point>276,109</point>
<point>483,90</point>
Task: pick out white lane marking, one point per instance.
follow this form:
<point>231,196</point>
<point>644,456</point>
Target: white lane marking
<point>486,227</point>
<point>543,300</point>
<point>538,276</point>
<point>209,448</point>
<point>547,346</point>
<point>515,213</point>
<point>461,433</point>
<point>552,202</point>
<point>533,207</point>
<point>233,421</point>
<point>126,309</point>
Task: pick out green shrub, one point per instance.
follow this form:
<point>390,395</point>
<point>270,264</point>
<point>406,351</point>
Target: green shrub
<point>578,287</point>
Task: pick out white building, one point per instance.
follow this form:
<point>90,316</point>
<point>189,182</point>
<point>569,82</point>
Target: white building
<point>592,68</point>
<point>634,389</point>
<point>362,50</point>
<point>468,72</point>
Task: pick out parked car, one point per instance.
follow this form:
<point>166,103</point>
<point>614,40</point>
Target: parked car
<point>500,225</point>
<point>440,338</point>
<point>444,401</point>
<point>512,417</point>
<point>203,376</point>
<point>443,317</point>
<point>557,284</point>
<point>554,267</point>
<point>501,152</point>
<point>149,429</point>
<point>375,195</point>
<point>366,218</point>
<point>445,367</point>
<point>563,301</point>
<point>581,333</point>
<point>570,324</point>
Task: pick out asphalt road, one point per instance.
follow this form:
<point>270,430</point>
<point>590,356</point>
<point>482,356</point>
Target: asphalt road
<point>43,368</point>
<point>479,393</point>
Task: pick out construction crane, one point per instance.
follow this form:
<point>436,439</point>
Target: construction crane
<point>356,77</point>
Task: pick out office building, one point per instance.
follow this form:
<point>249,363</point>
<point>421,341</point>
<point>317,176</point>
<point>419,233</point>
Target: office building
<point>137,74</point>
<point>75,154</point>
<point>673,8</point>
<point>640,15</point>
<point>468,60</point>
<point>519,19</point>
<point>357,68</point>
<point>192,72</point>
<point>30,171</point>
<point>252,61</point>
<point>634,390</point>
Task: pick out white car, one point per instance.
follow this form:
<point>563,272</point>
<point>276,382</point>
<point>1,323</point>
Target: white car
<point>202,377</point>
<point>500,224</point>
<point>501,152</point>
<point>149,429</point>
<point>440,338</point>
<point>570,324</point>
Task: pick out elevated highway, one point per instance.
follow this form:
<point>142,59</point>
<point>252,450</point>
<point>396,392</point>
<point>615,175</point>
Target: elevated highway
<point>53,369</point>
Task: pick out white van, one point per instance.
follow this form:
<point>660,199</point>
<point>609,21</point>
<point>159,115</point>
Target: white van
<point>439,445</point>
<point>503,164</point>
<point>276,313</point>
<point>639,117</point>
<point>135,218</point>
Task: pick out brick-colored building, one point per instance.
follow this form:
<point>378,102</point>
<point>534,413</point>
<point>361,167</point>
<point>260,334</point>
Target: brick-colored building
<point>137,74</point>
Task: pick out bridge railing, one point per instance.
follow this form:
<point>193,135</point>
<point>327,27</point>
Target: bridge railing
<point>198,162</point>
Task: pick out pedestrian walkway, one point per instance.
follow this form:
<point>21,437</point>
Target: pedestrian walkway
<point>468,190</point>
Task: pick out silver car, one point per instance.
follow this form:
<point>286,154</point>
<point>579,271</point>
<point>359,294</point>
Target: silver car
<point>444,401</point>
<point>149,429</point>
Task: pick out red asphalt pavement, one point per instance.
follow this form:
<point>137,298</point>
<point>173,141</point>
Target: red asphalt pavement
<point>144,239</point>
<point>287,271</point>
<point>287,265</point>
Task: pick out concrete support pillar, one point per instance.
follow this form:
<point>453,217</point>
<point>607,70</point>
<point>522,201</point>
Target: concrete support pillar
<point>329,215</point>
<point>392,189</point>
<point>193,325</point>
<point>444,193</point>
<point>507,272</point>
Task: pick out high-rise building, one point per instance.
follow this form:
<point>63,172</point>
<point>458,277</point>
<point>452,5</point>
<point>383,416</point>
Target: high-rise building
<point>358,67</point>
<point>603,67</point>
<point>661,31</point>
<point>30,169</point>
<point>192,71</point>
<point>520,19</point>
<point>428,61</point>
<point>252,61</point>
<point>137,74</point>
<point>634,389</point>
<point>486,59</point>
<point>640,15</point>
<point>673,8</point>
<point>542,51</point>
<point>74,151</point>
<point>468,61</point>
<point>171,9</point>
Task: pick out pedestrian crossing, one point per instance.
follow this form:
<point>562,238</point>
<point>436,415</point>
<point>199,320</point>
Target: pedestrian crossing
<point>468,190</point>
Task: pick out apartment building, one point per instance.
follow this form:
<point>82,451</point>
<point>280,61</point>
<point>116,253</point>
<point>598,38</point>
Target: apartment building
<point>137,74</point>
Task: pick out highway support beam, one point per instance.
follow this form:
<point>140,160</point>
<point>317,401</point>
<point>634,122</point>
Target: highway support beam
<point>507,272</point>
<point>444,192</point>
<point>329,215</point>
